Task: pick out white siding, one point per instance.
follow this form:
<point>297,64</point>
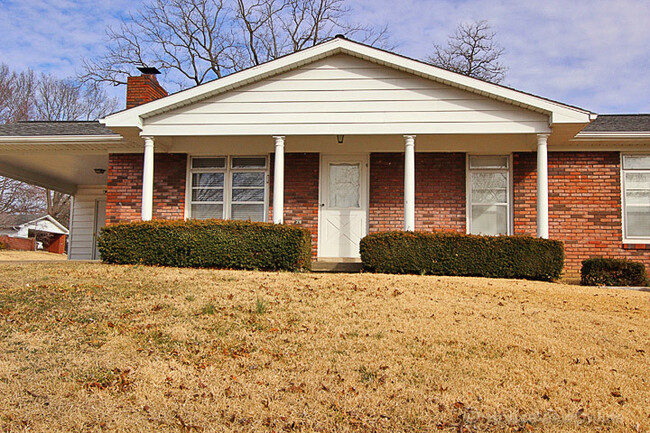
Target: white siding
<point>346,95</point>
<point>82,225</point>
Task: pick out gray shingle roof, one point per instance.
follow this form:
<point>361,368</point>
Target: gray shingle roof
<point>41,128</point>
<point>620,123</point>
<point>8,221</point>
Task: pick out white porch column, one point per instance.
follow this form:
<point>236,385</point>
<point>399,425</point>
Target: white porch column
<point>409,182</point>
<point>147,180</point>
<point>278,181</point>
<point>542,186</point>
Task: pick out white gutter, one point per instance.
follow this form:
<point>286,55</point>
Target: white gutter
<point>61,139</point>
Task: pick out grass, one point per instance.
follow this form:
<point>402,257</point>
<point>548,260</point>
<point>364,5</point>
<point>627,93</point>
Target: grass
<point>14,255</point>
<point>91,347</point>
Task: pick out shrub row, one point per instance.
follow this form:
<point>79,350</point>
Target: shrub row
<point>464,255</point>
<point>612,272</point>
<point>208,244</point>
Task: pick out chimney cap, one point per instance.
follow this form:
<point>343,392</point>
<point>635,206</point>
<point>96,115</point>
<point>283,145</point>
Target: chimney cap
<point>146,70</point>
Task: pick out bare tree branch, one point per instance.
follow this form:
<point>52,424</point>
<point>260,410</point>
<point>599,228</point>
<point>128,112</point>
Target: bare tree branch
<point>194,41</point>
<point>16,94</point>
<point>24,96</point>
<point>472,51</point>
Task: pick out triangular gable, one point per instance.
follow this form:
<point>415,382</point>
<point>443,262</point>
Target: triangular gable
<point>341,94</point>
<point>49,219</point>
<point>557,112</point>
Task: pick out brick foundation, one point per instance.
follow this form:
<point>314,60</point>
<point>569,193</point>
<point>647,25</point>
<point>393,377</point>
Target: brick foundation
<point>301,180</point>
<point>584,205</point>
<point>124,187</point>
<point>439,192</point>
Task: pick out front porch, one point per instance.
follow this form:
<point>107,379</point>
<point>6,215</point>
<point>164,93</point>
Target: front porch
<point>339,191</point>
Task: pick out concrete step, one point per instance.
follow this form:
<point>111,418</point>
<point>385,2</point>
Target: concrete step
<point>342,266</point>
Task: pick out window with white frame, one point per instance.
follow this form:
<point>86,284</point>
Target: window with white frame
<point>228,187</point>
<point>636,197</point>
<point>489,195</point>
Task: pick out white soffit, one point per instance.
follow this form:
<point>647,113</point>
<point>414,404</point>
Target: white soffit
<point>558,113</point>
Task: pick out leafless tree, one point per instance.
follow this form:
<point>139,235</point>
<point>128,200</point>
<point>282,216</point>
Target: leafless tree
<point>194,41</point>
<point>19,198</point>
<point>64,99</point>
<point>471,50</point>
<point>17,91</point>
<point>24,96</point>
<point>58,205</point>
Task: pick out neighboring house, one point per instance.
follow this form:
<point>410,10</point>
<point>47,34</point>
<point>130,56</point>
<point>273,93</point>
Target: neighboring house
<point>28,232</point>
<point>345,139</point>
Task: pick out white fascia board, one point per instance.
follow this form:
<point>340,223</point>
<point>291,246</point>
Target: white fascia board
<point>559,113</point>
<point>62,139</point>
<point>612,135</point>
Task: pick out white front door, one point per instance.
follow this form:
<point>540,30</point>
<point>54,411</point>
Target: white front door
<point>344,205</point>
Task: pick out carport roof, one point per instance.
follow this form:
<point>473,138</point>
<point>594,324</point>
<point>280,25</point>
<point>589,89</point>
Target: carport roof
<point>47,128</point>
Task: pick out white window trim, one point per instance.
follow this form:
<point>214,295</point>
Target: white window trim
<point>468,192</point>
<point>626,239</point>
<point>228,171</point>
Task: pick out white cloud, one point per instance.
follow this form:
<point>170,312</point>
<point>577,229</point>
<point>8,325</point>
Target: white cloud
<point>590,53</point>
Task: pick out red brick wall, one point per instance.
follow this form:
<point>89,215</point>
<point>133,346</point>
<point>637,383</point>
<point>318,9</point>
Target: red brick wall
<point>584,204</point>
<point>143,89</point>
<point>124,187</point>
<point>56,244</point>
<point>386,189</point>
<point>21,244</point>
<point>439,191</point>
<point>301,180</point>
<point>524,183</point>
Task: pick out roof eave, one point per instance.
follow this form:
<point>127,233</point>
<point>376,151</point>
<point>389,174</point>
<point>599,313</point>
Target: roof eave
<point>61,138</point>
<point>612,135</point>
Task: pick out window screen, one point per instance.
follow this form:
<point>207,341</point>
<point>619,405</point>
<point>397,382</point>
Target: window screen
<point>636,195</point>
<point>489,194</point>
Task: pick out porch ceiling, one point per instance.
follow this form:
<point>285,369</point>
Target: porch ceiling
<point>58,171</point>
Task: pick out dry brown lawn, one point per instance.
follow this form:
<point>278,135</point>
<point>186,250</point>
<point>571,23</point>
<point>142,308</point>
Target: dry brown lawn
<point>91,347</point>
<point>13,255</point>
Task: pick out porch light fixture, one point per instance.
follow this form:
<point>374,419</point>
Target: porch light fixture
<point>339,138</point>
<point>100,170</point>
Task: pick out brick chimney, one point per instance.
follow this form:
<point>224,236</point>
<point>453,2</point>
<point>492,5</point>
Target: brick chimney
<point>144,88</point>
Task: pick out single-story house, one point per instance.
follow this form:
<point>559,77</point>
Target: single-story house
<point>345,139</point>
<point>27,232</point>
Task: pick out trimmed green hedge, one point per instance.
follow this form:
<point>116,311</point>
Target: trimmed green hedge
<point>466,255</point>
<point>207,244</point>
<point>612,272</point>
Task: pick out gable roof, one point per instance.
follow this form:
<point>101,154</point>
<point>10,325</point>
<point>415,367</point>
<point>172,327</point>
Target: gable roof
<point>13,221</point>
<point>558,113</point>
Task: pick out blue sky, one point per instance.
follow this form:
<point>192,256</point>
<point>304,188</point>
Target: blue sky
<point>589,53</point>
